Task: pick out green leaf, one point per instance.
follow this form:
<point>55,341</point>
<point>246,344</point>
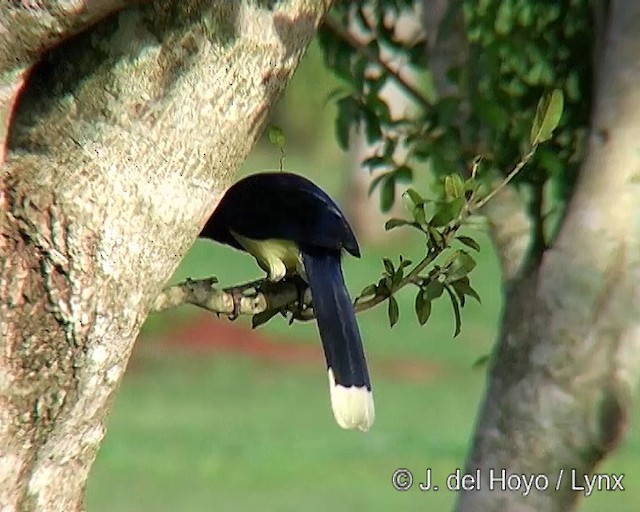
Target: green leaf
<point>434,289</point>
<point>423,307</point>
<point>382,288</point>
<point>368,291</point>
<point>338,91</point>
<point>397,277</point>
<point>375,182</point>
<point>419,215</point>
<point>410,195</point>
<point>408,204</point>
<point>372,131</point>
<point>388,266</point>
<point>358,73</point>
<point>456,311</point>
<point>453,186</point>
<point>377,105</point>
<point>463,287</point>
<point>481,361</point>
<point>394,223</point>
<point>348,114</point>
<point>447,212</point>
<point>276,136</point>
<point>461,264</point>
<point>389,148</point>
<point>504,18</point>
<point>461,297</point>
<point>469,242</point>
<point>262,318</point>
<point>394,311</point>
<point>404,263</point>
<point>373,162</point>
<point>403,174</point>
<point>548,114</point>
<point>387,194</point>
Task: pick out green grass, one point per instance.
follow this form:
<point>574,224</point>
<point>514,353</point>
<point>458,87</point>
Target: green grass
<point>198,432</point>
<point>201,432</point>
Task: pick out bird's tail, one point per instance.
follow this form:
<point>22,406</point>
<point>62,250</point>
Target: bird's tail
<point>349,384</point>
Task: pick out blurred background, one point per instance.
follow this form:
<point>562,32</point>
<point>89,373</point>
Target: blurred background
<point>214,415</point>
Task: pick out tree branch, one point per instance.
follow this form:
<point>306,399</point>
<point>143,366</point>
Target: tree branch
<point>510,229</point>
<point>250,298</point>
<point>503,183</point>
<point>509,224</point>
<point>256,297</point>
<point>262,296</point>
<point>374,57</point>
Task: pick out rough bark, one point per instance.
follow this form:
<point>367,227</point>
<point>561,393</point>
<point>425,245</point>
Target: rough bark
<point>116,150</point>
<point>510,230</point>
<point>568,356</point>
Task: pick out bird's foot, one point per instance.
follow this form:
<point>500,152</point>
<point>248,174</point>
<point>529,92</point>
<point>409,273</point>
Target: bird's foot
<point>236,296</point>
<point>299,306</point>
<point>237,293</point>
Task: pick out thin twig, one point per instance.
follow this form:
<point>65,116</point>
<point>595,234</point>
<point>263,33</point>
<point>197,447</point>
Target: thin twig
<point>259,296</point>
<point>506,181</point>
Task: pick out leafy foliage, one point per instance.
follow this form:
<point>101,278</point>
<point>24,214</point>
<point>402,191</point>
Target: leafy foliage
<point>514,52</point>
<point>439,221</point>
<point>521,78</point>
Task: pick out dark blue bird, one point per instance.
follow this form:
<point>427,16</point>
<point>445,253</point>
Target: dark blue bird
<point>291,226</point>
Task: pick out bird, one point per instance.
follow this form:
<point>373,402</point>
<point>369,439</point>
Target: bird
<point>293,228</point>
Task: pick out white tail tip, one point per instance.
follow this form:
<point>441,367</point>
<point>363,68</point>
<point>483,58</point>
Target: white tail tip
<point>352,407</point>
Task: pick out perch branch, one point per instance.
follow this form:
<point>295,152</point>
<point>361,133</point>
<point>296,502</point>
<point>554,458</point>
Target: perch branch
<point>263,295</point>
<point>246,299</point>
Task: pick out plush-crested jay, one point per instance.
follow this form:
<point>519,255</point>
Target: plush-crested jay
<point>290,226</point>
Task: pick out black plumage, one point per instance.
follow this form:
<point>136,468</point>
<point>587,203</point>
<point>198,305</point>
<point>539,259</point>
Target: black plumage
<point>288,222</point>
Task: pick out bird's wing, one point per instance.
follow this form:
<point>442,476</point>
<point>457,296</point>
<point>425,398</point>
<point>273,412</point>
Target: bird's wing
<point>283,206</point>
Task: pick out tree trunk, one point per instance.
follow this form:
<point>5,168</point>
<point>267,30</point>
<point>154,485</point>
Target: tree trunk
<point>568,356</point>
<point>113,155</point>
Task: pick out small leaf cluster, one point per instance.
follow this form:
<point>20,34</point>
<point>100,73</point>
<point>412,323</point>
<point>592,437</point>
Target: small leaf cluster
<point>518,51</point>
<point>523,79</point>
<point>439,221</point>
